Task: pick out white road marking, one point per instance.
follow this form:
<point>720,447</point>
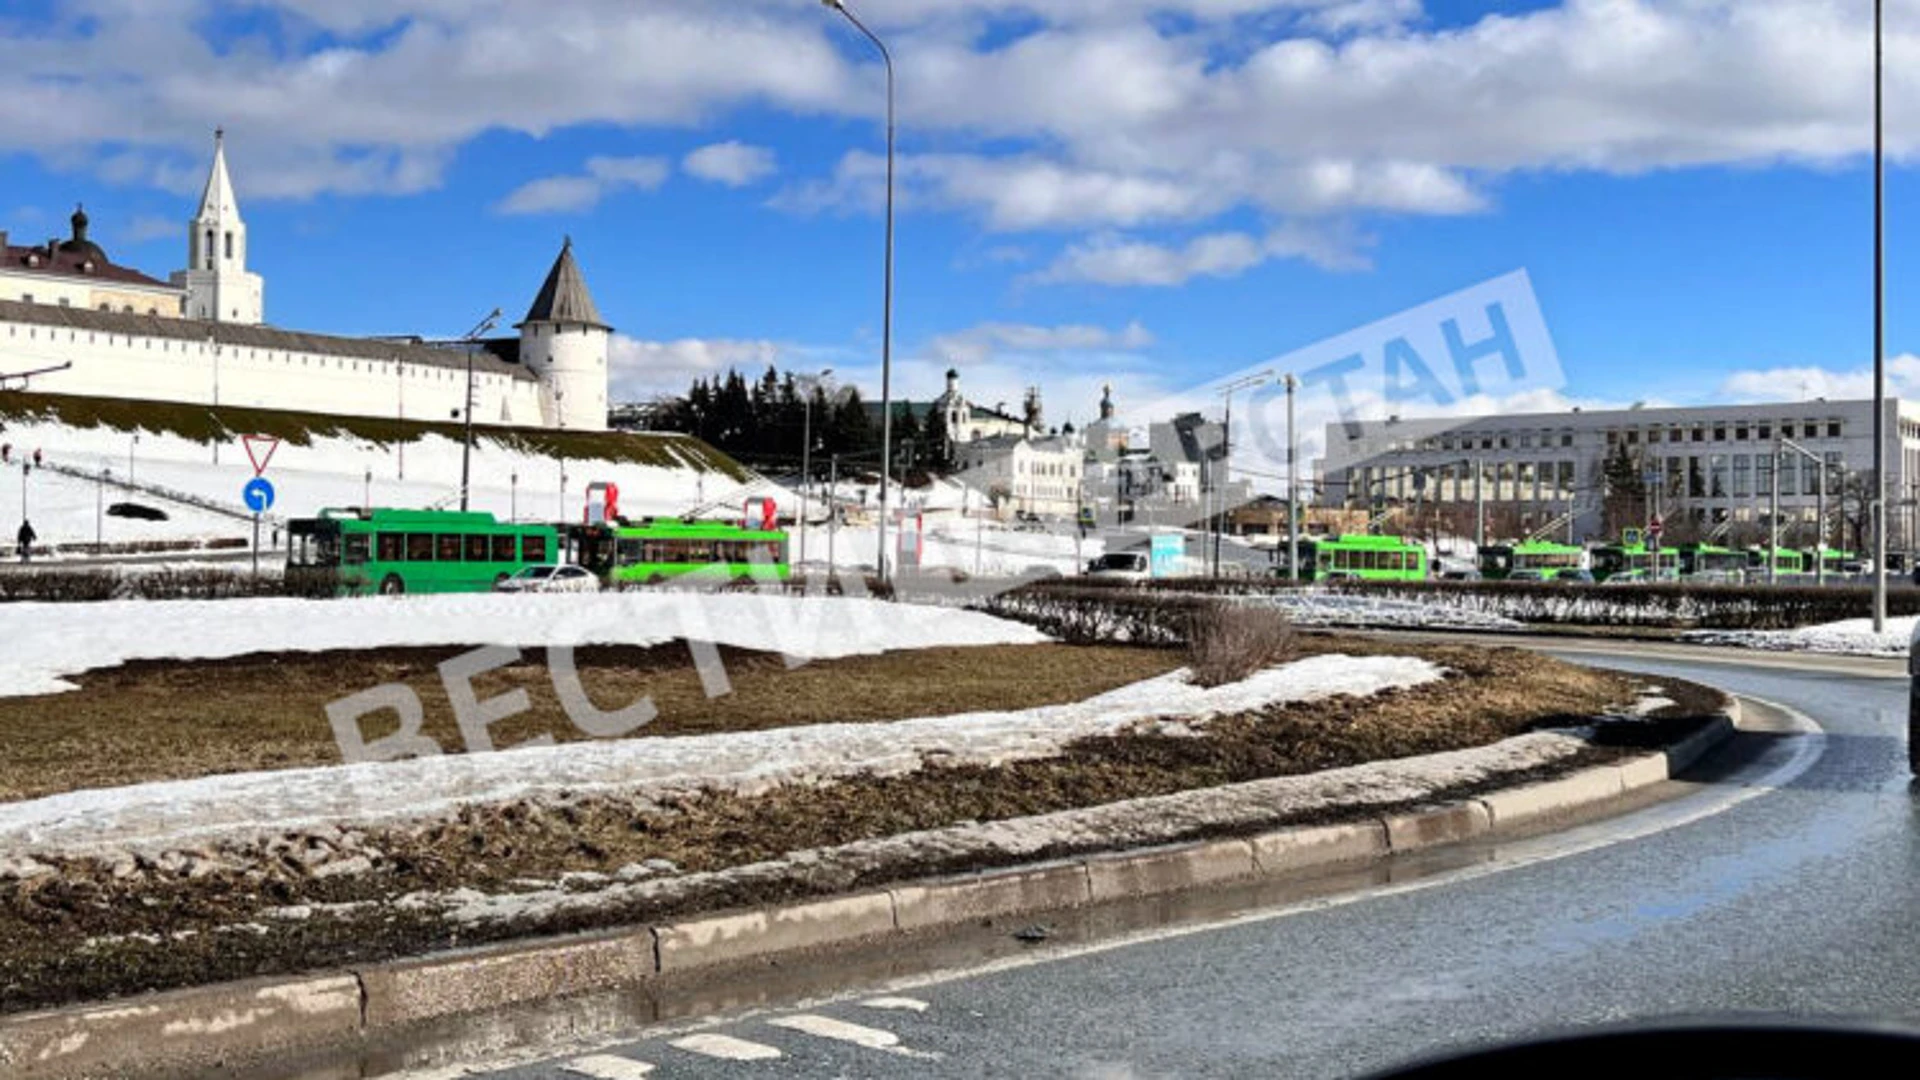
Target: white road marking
<point>725,1047</point>
<point>607,1067</point>
<point>826,1027</point>
<point>900,1004</point>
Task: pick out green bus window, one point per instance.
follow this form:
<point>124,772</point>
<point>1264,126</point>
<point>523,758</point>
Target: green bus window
<point>391,547</point>
<point>477,548</point>
<point>533,548</point>
<point>447,547</point>
<point>419,547</point>
<point>355,549</point>
<point>502,548</point>
<point>630,551</point>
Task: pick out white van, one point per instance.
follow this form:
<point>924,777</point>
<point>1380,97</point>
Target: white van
<point>1120,566</point>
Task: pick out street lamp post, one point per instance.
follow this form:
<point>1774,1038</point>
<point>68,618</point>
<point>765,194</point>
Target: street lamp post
<point>513,496</point>
<point>886,318</point>
<point>366,490</point>
<point>131,445</point>
<point>99,513</point>
<point>1879,346</point>
<point>806,454</point>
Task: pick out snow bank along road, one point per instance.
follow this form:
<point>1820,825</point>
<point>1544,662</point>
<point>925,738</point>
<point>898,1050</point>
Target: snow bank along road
<point>167,815</point>
<point>1854,637</point>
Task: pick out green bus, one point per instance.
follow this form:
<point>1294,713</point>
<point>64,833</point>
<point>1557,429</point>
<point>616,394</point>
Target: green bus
<point>1708,561</point>
<point>655,550</point>
<point>427,551</point>
<point>1356,557</point>
<point>1787,562</point>
<point>1499,561</point>
<point>1614,560</point>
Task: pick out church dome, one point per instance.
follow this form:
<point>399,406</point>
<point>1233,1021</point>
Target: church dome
<point>78,245</point>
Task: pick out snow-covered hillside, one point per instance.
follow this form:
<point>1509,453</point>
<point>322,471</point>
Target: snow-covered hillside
<point>338,470</point>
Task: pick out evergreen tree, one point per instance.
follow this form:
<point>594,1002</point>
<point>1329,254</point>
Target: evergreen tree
<point>939,450</point>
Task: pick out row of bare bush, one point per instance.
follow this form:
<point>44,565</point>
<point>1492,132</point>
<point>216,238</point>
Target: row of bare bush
<point>211,583</point>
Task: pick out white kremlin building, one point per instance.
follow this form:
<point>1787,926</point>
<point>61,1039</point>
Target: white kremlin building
<point>203,337</point>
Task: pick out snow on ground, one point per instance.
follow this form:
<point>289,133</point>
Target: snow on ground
<point>336,471</point>
<point>1850,636</point>
<point>167,815</point>
<point>1312,606</point>
<point>1129,823</point>
<point>65,639</point>
<point>68,509</point>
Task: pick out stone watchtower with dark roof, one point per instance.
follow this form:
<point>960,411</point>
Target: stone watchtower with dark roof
<point>564,344</point>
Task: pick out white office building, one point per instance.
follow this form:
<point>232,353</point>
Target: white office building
<point>1711,466</point>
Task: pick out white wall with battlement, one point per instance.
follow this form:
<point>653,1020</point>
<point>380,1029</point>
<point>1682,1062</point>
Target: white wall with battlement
<point>209,373</point>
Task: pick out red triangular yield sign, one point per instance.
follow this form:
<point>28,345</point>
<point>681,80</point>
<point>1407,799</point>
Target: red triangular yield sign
<point>260,450</point>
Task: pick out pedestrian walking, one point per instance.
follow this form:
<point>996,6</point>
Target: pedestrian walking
<point>6,453</point>
<point>36,457</point>
<point>26,536</point>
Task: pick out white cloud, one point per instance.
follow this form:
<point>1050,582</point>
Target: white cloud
<point>1809,382</point>
<point>640,370</point>
<point>1081,115</point>
<point>732,163</point>
<point>975,344</point>
<point>573,194</point>
<point>1112,260</point>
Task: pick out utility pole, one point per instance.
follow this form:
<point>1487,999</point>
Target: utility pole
<point>833,510</point>
<point>1293,484</point>
<point>806,455</point>
<point>1773,517</point>
<point>1479,509</point>
<point>466,412</point>
<point>1226,450</point>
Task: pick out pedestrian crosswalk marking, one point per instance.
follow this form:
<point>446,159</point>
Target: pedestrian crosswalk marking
<point>708,1044</point>
<point>902,1004</point>
<point>607,1067</point>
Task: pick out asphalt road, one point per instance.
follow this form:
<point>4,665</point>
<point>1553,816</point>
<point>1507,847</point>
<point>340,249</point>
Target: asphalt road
<point>1785,882</point>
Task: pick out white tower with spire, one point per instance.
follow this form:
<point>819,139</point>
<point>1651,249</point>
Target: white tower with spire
<point>564,344</point>
<point>219,287</point>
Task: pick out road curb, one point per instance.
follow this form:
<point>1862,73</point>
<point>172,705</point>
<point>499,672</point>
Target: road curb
<point>190,1030</point>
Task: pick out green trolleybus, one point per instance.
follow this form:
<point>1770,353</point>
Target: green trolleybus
<point>427,551</point>
<point>656,550</point>
<point>1361,557</point>
<point>1614,560</point>
<point>1498,561</point>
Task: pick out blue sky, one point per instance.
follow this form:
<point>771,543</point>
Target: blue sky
<point>1154,193</point>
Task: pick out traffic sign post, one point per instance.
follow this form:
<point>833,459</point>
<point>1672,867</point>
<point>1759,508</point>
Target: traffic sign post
<point>258,497</point>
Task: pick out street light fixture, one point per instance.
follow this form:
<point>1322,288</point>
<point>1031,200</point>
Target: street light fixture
<point>886,319</point>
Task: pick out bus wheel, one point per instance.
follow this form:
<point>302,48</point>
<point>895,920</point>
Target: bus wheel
<point>654,579</point>
<point>498,578</point>
<point>392,585</point>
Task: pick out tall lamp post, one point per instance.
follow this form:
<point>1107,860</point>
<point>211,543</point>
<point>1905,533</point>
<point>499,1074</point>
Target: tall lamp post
<point>1879,347</point>
<point>806,454</point>
<point>466,442</point>
<point>886,318</point>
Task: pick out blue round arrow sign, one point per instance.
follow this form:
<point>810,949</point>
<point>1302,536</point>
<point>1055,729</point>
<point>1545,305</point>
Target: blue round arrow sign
<point>258,494</point>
